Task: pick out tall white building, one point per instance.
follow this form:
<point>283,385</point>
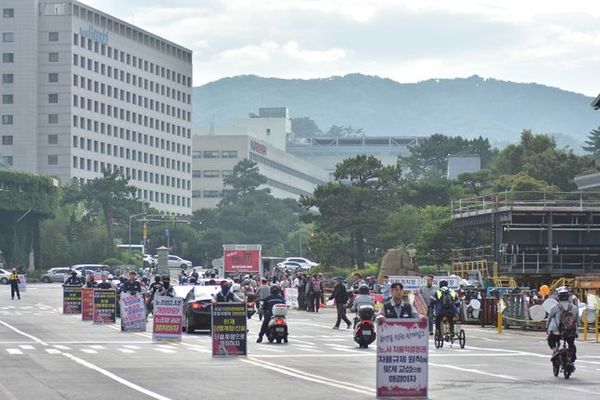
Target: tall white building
<point>84,92</point>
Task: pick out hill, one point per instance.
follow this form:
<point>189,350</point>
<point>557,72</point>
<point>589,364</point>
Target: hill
<point>468,107</point>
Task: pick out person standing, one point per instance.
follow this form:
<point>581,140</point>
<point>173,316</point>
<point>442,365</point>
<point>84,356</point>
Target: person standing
<point>340,296</point>
<point>302,292</point>
<point>396,307</point>
<point>14,281</point>
<point>386,288</point>
<point>427,292</point>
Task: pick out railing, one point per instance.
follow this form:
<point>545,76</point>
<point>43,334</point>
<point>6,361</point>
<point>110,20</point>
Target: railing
<point>578,200</point>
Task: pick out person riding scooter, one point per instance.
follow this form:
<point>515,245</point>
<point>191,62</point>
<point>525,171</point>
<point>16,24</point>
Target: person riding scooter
<point>363,299</point>
<point>268,303</point>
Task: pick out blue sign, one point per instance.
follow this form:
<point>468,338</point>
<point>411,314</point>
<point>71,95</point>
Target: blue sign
<point>97,35</point>
<point>167,232</point>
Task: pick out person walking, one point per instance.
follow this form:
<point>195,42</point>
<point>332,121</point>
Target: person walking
<point>14,281</point>
<point>340,296</point>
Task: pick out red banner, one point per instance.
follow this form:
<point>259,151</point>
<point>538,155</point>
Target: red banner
<point>244,261</point>
<point>87,304</point>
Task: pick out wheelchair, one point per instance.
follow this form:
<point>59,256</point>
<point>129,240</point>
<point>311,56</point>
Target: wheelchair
<point>446,336</point>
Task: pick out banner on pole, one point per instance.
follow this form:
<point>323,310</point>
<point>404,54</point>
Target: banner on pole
<point>105,306</point>
<point>402,359</point>
<point>229,327</point>
<point>72,300</point>
<point>133,313</point>
<point>168,318</point>
<point>87,304</point>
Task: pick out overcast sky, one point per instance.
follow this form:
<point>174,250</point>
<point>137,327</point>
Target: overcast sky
<point>556,43</point>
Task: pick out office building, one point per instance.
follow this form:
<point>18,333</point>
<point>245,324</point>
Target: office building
<point>83,92</point>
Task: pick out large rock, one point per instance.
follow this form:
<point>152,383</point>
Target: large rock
<point>396,262</point>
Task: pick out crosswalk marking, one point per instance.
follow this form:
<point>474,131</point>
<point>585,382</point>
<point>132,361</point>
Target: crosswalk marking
<point>132,347</point>
<point>168,351</point>
<point>97,347</point>
<point>62,347</point>
<point>14,351</point>
<point>53,351</point>
<point>26,347</point>
<point>89,351</point>
<point>126,351</point>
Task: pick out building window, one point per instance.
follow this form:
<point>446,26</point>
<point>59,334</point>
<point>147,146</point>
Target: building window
<point>211,173</point>
<point>226,173</point>
<point>52,139</point>
<point>7,99</point>
<point>8,160</point>
<point>8,12</point>
<point>53,98</point>
<point>8,78</point>
<point>53,159</point>
<point>211,154</point>
<point>8,57</point>
<point>53,36</point>
<point>7,120</point>
<point>53,77</point>
<point>212,193</point>
<point>268,131</point>
<point>7,140</point>
<point>196,193</point>
<point>53,118</point>
<point>8,37</point>
<point>229,154</point>
<point>53,56</point>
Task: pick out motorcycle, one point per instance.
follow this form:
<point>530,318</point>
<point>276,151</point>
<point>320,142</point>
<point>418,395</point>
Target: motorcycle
<point>259,309</point>
<point>250,310</point>
<point>277,329</point>
<point>562,361</point>
<point>364,329</point>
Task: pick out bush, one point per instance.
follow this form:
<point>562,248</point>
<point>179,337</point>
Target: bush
<point>112,261</point>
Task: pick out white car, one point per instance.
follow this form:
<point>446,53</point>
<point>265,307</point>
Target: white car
<point>4,275</point>
<point>302,262</point>
<point>149,261</point>
<point>178,262</point>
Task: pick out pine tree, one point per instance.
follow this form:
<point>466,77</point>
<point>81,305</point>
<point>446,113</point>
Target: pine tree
<point>593,142</point>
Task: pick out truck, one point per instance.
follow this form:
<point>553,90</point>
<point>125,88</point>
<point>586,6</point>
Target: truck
<point>242,259</point>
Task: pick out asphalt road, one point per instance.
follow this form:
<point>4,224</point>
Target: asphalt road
<point>47,355</point>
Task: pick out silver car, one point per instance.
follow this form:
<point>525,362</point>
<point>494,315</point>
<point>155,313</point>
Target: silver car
<point>4,275</point>
<point>56,275</point>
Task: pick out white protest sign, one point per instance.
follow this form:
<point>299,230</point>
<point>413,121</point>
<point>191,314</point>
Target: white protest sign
<point>453,281</point>
<point>408,282</point>
<point>22,283</point>
<point>291,297</point>
<point>168,318</point>
<point>133,313</point>
<point>402,359</point>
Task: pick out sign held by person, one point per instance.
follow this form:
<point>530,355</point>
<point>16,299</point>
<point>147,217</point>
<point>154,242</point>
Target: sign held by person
<point>229,326</point>
<point>133,313</point>
<point>71,300</point>
<point>105,306</point>
<point>168,318</point>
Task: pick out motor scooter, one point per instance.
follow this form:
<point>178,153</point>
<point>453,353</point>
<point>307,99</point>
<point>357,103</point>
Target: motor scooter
<point>364,329</point>
<point>277,329</point>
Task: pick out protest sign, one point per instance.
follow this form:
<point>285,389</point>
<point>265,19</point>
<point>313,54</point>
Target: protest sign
<point>72,300</point>
<point>168,318</point>
<point>105,306</point>
<point>133,313</point>
<point>22,283</point>
<point>87,304</point>
<point>291,297</point>
<point>229,329</point>
<point>408,282</point>
<point>453,281</point>
<point>402,359</point>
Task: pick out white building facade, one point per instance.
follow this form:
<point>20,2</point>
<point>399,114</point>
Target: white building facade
<point>83,92</point>
<point>214,157</point>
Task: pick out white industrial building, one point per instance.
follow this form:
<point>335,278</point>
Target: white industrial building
<point>84,92</point>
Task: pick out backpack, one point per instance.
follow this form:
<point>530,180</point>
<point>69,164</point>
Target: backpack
<point>568,324</point>
<point>447,301</point>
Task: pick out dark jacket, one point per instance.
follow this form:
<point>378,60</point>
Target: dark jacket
<point>132,287</point>
<point>270,301</point>
<point>340,294</point>
<point>73,281</point>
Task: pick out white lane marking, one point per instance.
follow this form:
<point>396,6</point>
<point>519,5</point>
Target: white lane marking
<point>116,378</point>
<point>197,348</point>
<point>97,347</point>
<point>126,351</point>
<point>89,351</point>
<point>132,347</point>
<point>53,351</point>
<point>304,342</point>
<point>167,351</point>
<point>14,351</point>
<point>23,333</point>
<point>26,347</point>
<point>301,375</point>
<point>270,349</point>
<point>60,346</point>
<point>474,371</point>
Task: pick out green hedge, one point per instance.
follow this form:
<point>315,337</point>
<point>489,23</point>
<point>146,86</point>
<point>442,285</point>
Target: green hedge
<point>20,192</point>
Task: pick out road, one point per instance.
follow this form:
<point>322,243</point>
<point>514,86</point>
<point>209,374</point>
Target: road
<point>45,354</point>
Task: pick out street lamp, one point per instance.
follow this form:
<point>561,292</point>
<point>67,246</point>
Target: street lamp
<point>130,217</point>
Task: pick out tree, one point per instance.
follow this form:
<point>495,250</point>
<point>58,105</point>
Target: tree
<point>593,142</point>
<point>304,127</point>
<point>245,178</point>
<point>343,131</point>
<point>112,198</point>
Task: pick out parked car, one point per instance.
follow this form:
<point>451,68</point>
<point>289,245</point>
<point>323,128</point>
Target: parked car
<point>4,275</point>
<point>149,261</point>
<point>81,268</point>
<point>197,308</point>
<point>176,262</point>
<point>302,261</point>
<point>56,275</point>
